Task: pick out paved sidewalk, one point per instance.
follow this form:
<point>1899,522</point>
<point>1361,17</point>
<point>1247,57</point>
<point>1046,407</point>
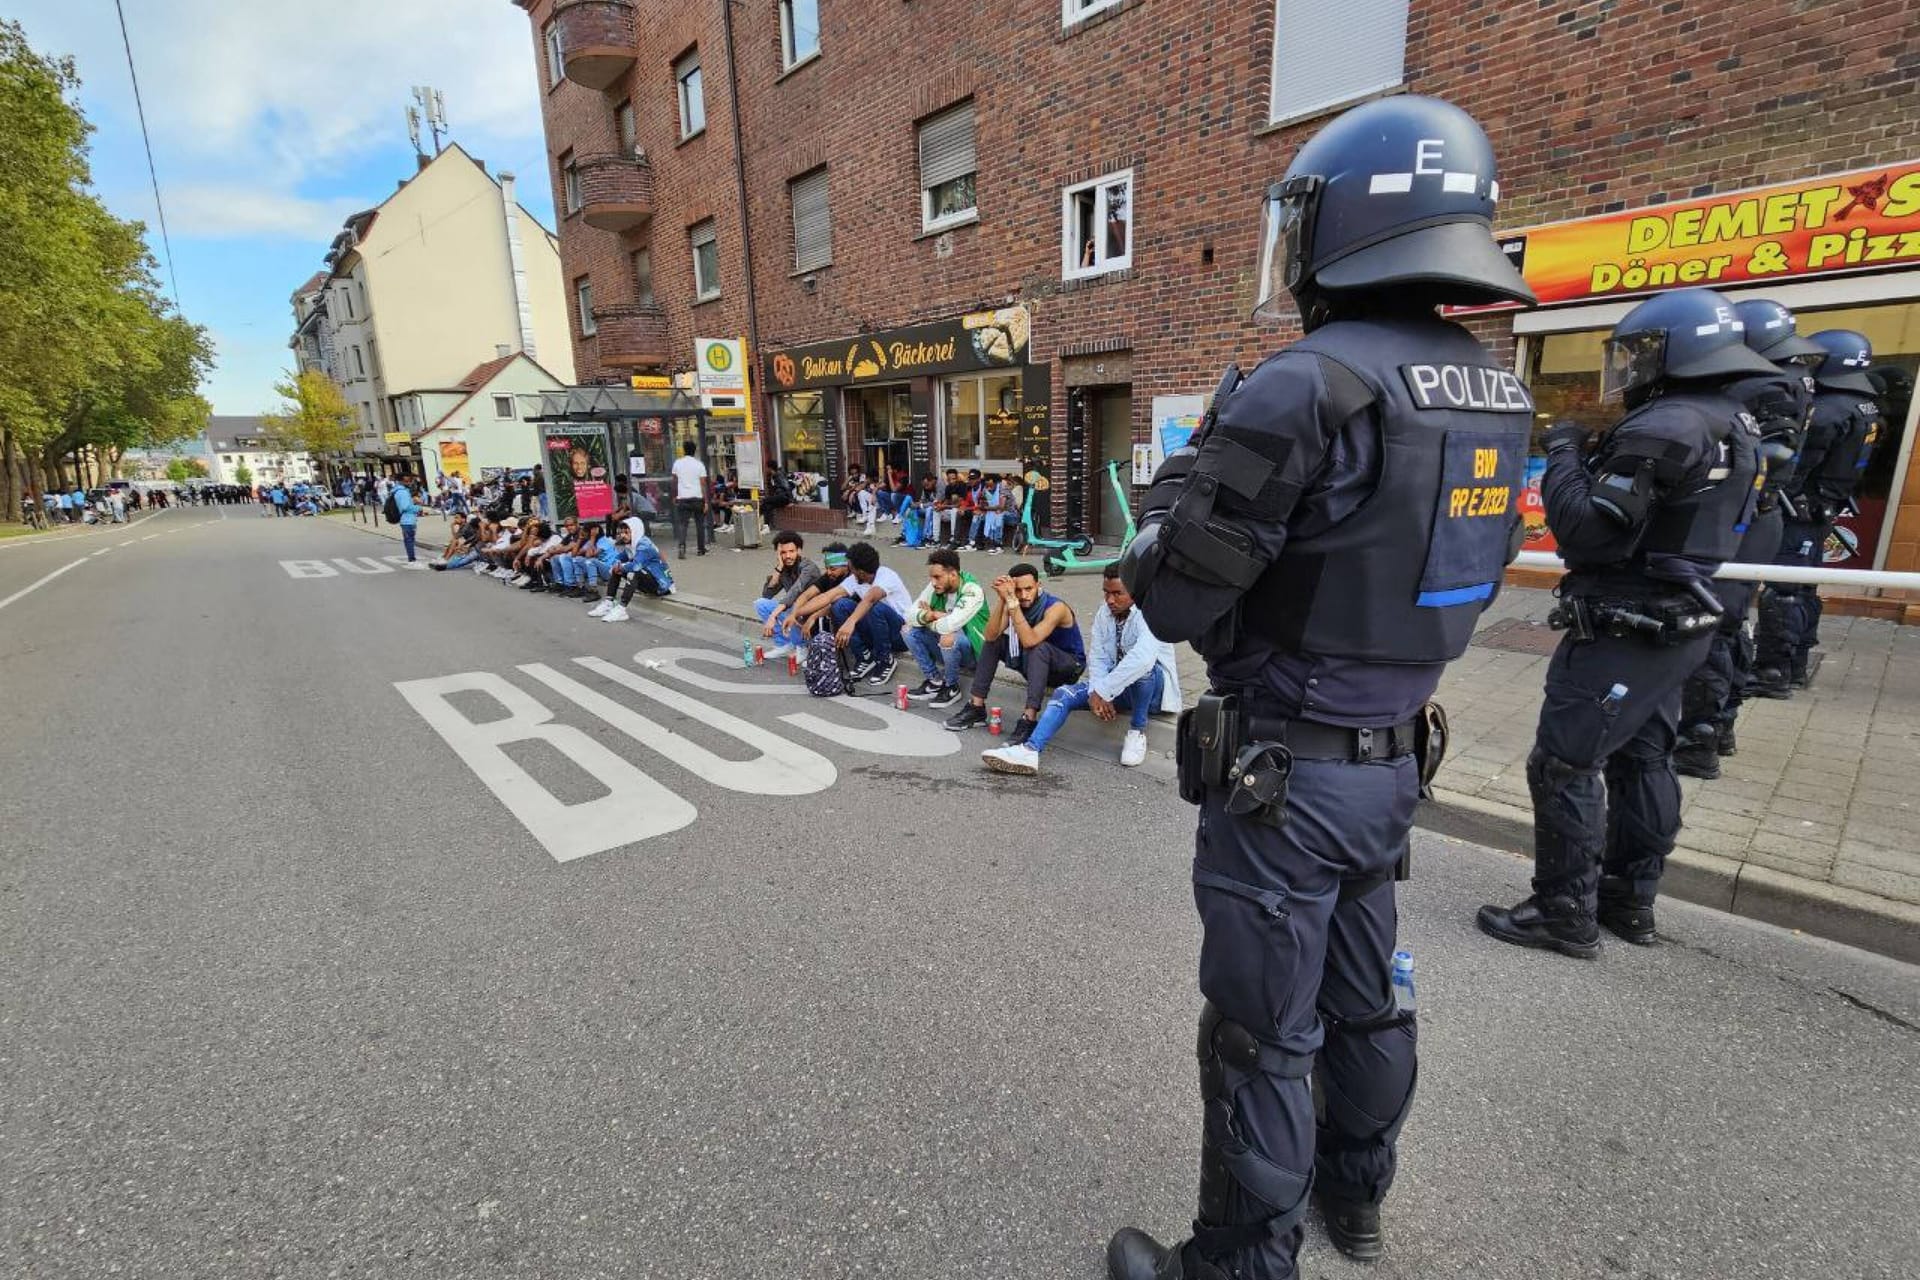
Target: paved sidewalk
<point>1811,826</point>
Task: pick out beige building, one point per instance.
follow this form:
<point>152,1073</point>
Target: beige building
<point>445,274</point>
<point>478,427</point>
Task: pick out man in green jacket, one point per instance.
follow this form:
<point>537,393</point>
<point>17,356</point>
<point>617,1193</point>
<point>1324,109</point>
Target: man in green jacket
<point>944,632</point>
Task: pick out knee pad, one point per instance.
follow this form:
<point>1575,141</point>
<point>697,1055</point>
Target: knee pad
<point>1548,774</point>
<point>1365,1083</point>
<point>1231,1056</point>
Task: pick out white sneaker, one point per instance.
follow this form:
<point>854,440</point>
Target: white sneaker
<point>483,568</point>
<point>601,610</point>
<point>781,652</point>
<point>503,573</point>
<point>519,579</point>
<point>1021,759</point>
<point>616,614</point>
<point>1134,750</point>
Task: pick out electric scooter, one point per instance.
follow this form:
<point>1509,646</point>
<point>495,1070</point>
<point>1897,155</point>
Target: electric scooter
<point>1031,539</point>
<point>1077,559</point>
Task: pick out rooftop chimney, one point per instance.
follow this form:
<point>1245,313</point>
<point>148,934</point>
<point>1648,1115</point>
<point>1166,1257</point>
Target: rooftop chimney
<point>501,350</point>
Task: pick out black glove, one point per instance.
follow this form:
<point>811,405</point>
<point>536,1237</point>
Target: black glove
<point>1564,435</point>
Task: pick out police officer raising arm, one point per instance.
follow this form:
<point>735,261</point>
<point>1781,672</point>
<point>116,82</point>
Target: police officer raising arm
<point>1327,542</point>
<point>1847,423</point>
<point>1643,522</point>
<point>1780,403</point>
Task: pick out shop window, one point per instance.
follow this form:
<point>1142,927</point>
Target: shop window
<point>947,165</point>
<point>979,419</point>
<point>812,221</point>
<point>706,261</point>
<point>799,31</point>
<point>1327,52</point>
<point>802,417</point>
<point>693,99</point>
<point>1096,226</point>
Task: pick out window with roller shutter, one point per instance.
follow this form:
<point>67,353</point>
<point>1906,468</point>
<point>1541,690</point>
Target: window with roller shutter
<point>1330,52</point>
<point>947,165</point>
<point>812,223</point>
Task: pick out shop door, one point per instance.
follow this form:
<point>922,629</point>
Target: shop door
<point>1113,410</point>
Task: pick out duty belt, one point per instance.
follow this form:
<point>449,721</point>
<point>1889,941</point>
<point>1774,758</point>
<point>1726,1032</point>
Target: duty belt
<point>1658,622</point>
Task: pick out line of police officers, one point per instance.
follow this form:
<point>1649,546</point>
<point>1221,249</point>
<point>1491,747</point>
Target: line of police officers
<point>1328,542</point>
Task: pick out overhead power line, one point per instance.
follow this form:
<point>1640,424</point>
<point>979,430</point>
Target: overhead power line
<point>140,107</point>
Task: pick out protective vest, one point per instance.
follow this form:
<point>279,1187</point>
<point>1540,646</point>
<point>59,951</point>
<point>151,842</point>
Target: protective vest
<point>1781,405</point>
<point>1405,576</point>
<point>1704,452</point>
<point>1854,425</point>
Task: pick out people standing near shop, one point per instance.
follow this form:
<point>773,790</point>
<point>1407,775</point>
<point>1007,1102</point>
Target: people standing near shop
<point>1780,403</point>
<point>1327,593</point>
<point>1643,522</point>
<point>1847,423</point>
<point>689,498</point>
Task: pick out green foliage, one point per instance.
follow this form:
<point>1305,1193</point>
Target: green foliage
<point>181,470</point>
<point>243,474</point>
<point>316,419</point>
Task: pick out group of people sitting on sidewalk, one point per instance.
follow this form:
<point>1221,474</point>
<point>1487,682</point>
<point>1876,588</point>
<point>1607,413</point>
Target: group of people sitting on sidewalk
<point>961,634</point>
<point>977,511</point>
<point>604,561</point>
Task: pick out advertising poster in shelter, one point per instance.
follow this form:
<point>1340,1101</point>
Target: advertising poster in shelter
<point>453,459</point>
<point>579,474</point>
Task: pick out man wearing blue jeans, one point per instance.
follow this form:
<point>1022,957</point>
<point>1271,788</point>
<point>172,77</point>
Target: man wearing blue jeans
<point>409,510</point>
<point>946,628</point>
<point>1128,670</point>
<point>870,609</point>
<point>792,574</point>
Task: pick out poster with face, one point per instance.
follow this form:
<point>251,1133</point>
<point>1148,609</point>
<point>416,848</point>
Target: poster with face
<point>579,475</point>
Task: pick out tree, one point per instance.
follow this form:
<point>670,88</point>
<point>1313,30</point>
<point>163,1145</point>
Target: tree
<point>181,470</point>
<point>315,419</point>
<point>242,475</point>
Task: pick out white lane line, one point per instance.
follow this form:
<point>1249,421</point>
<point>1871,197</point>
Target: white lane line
<point>102,551</point>
<point>43,582</point>
<point>129,542</point>
<point>150,537</point>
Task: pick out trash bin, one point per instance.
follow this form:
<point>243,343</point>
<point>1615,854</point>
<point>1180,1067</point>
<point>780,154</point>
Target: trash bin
<point>746,527</point>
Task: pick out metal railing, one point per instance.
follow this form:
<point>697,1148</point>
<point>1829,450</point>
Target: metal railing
<point>1864,579</point>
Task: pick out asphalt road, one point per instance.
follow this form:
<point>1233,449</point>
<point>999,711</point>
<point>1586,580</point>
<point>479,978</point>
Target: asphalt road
<point>291,991</point>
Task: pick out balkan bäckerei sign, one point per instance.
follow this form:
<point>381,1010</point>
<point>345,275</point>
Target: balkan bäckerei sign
<point>980,340</point>
<point>1868,220</point>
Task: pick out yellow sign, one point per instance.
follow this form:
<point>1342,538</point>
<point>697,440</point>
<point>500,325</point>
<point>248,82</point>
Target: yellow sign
<point>398,437</point>
<point>651,382</point>
<point>453,459</point>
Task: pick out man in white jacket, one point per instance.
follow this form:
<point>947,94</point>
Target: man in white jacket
<point>943,631</point>
<point>1128,670</point>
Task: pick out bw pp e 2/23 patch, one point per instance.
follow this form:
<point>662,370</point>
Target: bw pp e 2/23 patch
<point>1473,516</point>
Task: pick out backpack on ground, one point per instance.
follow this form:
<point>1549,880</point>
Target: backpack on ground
<point>825,666</point>
<point>391,507</point>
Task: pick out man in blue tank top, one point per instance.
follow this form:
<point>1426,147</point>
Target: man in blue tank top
<point>1035,633</point>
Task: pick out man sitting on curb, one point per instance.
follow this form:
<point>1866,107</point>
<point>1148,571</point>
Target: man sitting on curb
<point>644,570</point>
<point>1035,633</point>
<point>792,574</point>
<point>1127,670</point>
<point>945,629</point>
<point>872,608</point>
<point>814,603</point>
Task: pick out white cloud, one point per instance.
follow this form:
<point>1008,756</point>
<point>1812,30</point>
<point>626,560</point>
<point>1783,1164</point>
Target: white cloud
<point>219,210</point>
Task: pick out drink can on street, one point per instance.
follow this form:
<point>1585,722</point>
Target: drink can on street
<point>993,720</point>
<point>793,664</point>
<point>900,697</point>
<point>759,655</point>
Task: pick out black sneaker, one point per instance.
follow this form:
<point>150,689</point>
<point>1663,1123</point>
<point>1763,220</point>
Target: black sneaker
<point>1022,730</point>
<point>536,586</point>
<point>944,698</point>
<point>881,670</point>
<point>966,718</point>
<point>927,691</point>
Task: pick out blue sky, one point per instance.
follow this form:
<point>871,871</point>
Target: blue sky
<point>272,120</point>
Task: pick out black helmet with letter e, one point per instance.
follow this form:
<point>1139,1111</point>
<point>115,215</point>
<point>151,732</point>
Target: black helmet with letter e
<point>1845,358</point>
<point>1774,333</point>
<point>1395,196</point>
<point>1689,333</point>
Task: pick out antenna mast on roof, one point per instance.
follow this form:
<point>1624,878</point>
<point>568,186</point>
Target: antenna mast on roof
<point>430,104</point>
<point>413,131</point>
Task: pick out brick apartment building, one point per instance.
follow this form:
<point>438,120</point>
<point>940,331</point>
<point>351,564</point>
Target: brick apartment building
<point>1023,235</point>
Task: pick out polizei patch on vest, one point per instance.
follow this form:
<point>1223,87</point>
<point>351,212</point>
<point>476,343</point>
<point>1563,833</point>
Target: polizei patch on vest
<point>1466,386</point>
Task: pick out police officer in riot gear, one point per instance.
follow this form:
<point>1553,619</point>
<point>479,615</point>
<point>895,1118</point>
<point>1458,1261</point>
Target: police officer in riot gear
<point>1846,424</point>
<point>1643,522</point>
<point>1328,542</point>
<point>1781,403</point>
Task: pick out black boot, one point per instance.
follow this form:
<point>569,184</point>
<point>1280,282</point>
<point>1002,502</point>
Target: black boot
<point>1624,918</point>
<point>1698,754</point>
<point>1770,682</point>
<point>1354,1227</point>
<point>1553,925</point>
<point>1132,1254</point>
<point>1724,741</point>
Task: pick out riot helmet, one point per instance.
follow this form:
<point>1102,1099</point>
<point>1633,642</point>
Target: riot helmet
<point>1847,355</point>
<point>1396,195</point>
<point>1689,333</point>
<point>1772,331</point>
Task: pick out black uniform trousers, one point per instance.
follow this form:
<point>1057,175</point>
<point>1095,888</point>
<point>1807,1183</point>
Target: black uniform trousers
<point>1310,977</point>
<point>1789,622</point>
<point>1715,691</point>
<point>1605,796</point>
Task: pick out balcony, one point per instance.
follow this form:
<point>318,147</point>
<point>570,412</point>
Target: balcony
<point>616,192</point>
<point>631,335</point>
<point>598,41</point>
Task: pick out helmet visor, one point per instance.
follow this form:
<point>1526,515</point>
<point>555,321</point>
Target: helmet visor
<point>1631,361</point>
<point>1283,252</point>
